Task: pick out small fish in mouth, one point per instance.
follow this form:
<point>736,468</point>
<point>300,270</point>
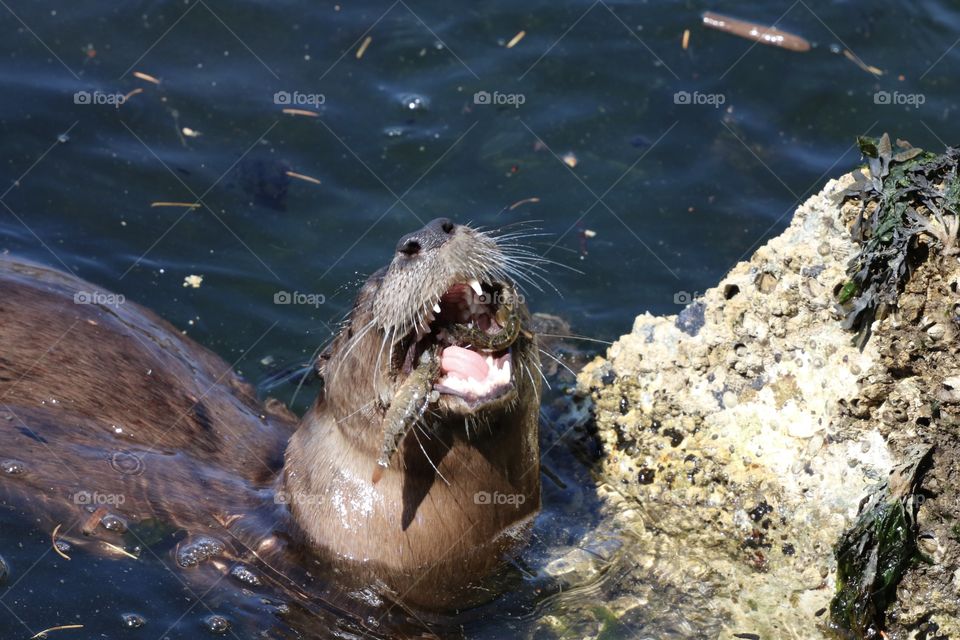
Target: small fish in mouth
<point>464,352</point>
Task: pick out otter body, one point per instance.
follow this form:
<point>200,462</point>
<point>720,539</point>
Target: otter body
<point>100,398</point>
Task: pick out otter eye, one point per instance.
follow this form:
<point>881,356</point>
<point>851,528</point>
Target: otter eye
<point>447,227</point>
<point>409,248</point>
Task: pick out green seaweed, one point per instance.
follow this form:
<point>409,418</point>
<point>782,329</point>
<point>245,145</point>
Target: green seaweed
<point>910,192</point>
<point>611,628</point>
<point>876,551</point>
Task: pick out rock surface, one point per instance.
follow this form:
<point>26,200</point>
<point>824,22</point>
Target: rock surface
<point>740,436</point>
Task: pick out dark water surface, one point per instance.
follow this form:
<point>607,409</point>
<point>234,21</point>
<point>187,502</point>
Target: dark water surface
<point>663,199</point>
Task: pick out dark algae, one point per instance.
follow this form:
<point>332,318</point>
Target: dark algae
<point>904,194</point>
<point>873,555</point>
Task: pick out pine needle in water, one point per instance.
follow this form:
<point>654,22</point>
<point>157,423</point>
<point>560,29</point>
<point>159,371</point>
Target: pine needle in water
<point>855,59</point>
<point>53,541</point>
<point>191,205</point>
<point>300,176</point>
<point>63,627</point>
<point>146,76</point>
<point>301,112</point>
<point>136,91</point>
<point>120,550</point>
<point>517,38</point>
<point>520,203</point>
<point>363,47</point>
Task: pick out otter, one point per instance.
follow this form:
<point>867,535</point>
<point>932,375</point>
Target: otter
<point>101,398</point>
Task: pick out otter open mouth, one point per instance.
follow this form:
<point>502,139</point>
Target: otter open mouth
<point>473,326</point>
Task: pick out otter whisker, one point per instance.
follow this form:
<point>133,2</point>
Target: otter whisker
<point>533,383</point>
<point>306,374</point>
<point>427,456</point>
<point>361,408</point>
<point>558,361</point>
<point>573,337</point>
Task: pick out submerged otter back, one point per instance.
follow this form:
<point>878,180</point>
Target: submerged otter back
<point>100,395</point>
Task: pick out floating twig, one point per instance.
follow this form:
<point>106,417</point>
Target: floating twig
<point>301,112</point>
<point>146,76</point>
<point>91,523</point>
<point>757,32</point>
<point>515,39</point>
<point>300,176</point>
<point>191,205</point>
<point>685,41</point>
<point>136,91</point>
<point>363,47</point>
<point>62,627</point>
<point>120,550</point>
<point>855,59</point>
<point>53,542</point>
<point>520,203</point>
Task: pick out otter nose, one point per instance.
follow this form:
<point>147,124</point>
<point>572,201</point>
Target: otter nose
<point>432,236</point>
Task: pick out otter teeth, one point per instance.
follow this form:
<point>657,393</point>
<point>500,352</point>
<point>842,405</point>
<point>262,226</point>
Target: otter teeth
<point>475,285</point>
<point>436,307</point>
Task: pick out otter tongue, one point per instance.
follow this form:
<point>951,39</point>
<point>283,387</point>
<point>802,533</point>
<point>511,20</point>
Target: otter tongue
<point>463,363</point>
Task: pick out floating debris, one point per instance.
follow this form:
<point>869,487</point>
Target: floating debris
<point>119,550</point>
<point>193,282</point>
<point>520,203</point>
<point>146,77</point>
<point>93,521</point>
<point>589,233</point>
<point>363,47</point>
<point>191,205</point>
<point>300,176</point>
<point>301,112</point>
<point>685,41</point>
<point>126,97</point>
<point>570,159</point>
<point>855,59</point>
<point>516,39</point>
<point>63,627</point>
<point>190,133</point>
<point>757,32</point>
<point>56,547</point>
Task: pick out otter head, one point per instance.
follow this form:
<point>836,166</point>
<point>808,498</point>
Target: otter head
<point>442,277</point>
